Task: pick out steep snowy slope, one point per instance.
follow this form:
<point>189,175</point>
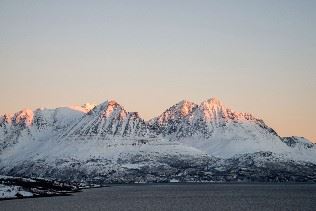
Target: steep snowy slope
<point>203,120</point>
<point>175,121</point>
<point>40,124</point>
<point>106,144</point>
<point>187,142</point>
<point>107,120</point>
<point>100,161</point>
<point>217,130</point>
<point>301,148</point>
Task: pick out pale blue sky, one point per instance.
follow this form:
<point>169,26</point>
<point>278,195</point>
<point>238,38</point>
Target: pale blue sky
<point>256,56</point>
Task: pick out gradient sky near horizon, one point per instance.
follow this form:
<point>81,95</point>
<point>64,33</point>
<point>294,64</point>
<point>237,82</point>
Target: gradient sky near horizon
<point>256,56</point>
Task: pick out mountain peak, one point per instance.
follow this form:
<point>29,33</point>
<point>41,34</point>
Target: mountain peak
<point>214,101</point>
<point>107,108</point>
<point>185,107</point>
<point>113,102</point>
<point>24,116</point>
<point>181,109</point>
<point>107,103</point>
<point>183,102</point>
<point>212,105</point>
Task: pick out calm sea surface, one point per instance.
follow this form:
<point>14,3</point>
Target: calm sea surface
<point>178,197</point>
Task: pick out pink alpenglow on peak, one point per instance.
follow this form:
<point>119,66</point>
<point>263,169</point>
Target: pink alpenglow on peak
<point>182,109</point>
<point>186,107</point>
<point>210,127</point>
<point>109,109</point>
<point>110,144</point>
<point>215,109</point>
<point>23,117</point>
<point>215,101</point>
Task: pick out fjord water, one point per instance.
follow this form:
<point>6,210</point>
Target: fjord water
<point>178,197</point>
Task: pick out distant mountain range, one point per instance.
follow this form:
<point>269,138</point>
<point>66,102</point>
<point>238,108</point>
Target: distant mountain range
<point>104,143</point>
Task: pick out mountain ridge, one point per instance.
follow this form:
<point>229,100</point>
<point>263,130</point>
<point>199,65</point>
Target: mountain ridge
<point>188,142</point>
<point>86,107</point>
<point>210,109</point>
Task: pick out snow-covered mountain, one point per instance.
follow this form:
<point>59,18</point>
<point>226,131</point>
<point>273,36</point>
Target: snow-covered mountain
<point>218,130</point>
<point>106,121</point>
<point>188,142</point>
<point>187,119</point>
<point>39,124</point>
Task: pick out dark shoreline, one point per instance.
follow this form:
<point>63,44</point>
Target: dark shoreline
<point>81,189</point>
<point>32,197</point>
<point>177,196</point>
